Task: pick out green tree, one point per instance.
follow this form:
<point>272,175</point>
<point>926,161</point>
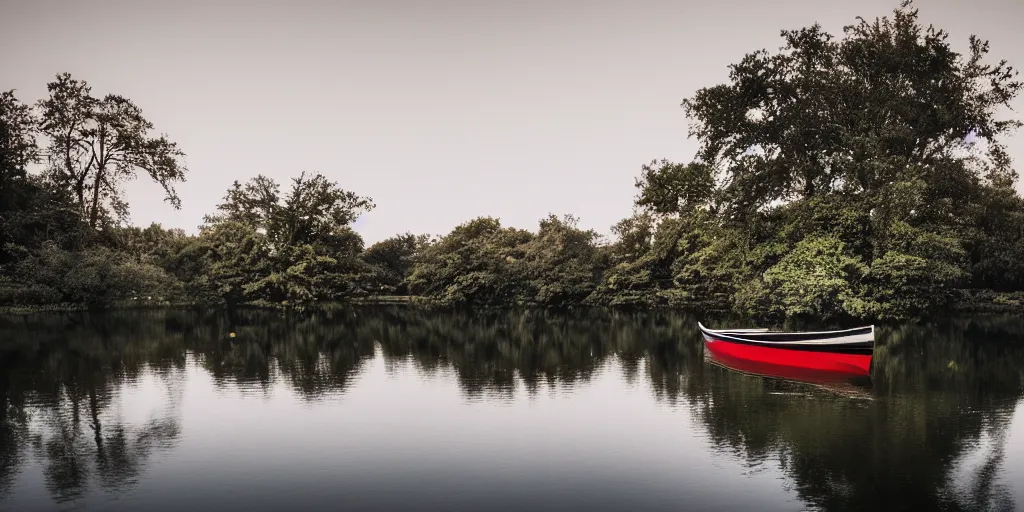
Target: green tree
<point>18,149</point>
<point>94,276</point>
<point>818,278</point>
<point>313,208</point>
<point>477,264</point>
<point>297,248</point>
<point>18,146</point>
<point>228,260</point>
<point>392,261</point>
<point>889,102</point>
<point>885,142</point>
<point>712,263</point>
<point>669,188</point>
<point>97,144</point>
<point>562,264</point>
<point>633,236</point>
<point>151,244</point>
<point>31,211</point>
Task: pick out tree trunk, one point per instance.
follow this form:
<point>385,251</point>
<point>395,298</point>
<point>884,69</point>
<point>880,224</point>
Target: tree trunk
<point>100,168</point>
<point>80,191</point>
<point>94,212</point>
<point>69,169</point>
<point>94,412</point>
<point>809,189</point>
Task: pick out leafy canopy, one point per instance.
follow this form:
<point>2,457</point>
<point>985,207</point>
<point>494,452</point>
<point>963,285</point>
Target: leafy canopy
<point>97,144</point>
<point>312,209</point>
<point>889,102</point>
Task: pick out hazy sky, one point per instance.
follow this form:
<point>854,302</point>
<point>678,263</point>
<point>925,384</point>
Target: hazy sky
<point>439,110</point>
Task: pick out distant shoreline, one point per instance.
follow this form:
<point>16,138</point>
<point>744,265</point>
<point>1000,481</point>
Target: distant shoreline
<point>971,301</point>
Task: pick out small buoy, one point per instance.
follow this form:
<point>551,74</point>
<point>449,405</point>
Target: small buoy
<point>231,335</point>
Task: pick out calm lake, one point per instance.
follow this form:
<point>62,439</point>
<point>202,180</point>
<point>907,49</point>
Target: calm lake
<point>399,409</point>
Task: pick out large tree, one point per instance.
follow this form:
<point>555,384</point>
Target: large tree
<point>312,209</point>
<point>886,143</point>
<point>18,146</point>
<point>96,144</point>
<point>17,150</point>
<point>31,212</point>
<point>477,264</point>
<point>298,247</point>
<point>889,105</point>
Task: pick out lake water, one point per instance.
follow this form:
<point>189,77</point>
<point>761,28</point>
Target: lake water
<point>394,409</point>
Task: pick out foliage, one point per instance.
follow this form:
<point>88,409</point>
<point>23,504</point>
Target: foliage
<point>667,187</point>
<point>17,150</point>
<point>96,144</point>
<point>710,268</point>
<point>480,263</point>
<point>857,176</point>
<point>916,276</point>
<point>233,259</point>
<point>818,278</point>
<point>299,248</point>
<point>860,176</point>
<point>391,260</point>
<point>312,212</point>
<point>95,276</point>
<point>32,211</point>
<point>635,235</point>
<point>562,264</point>
<point>474,265</point>
<point>890,101</point>
<point>18,146</point>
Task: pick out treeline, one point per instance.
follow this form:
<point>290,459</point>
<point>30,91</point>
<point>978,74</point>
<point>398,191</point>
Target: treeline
<point>862,176</point>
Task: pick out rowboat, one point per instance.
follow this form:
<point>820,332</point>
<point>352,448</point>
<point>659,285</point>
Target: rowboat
<point>844,353</point>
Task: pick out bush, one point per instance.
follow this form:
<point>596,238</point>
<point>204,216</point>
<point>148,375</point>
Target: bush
<point>95,276</point>
<point>817,278</point>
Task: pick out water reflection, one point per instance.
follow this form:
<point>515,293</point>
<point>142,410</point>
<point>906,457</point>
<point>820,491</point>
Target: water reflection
<point>940,394</point>
<point>58,391</point>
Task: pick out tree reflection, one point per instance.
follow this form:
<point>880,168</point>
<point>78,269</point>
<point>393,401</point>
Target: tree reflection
<point>939,391</point>
<point>59,383</point>
<point>13,438</point>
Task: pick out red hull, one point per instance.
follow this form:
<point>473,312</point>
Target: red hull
<point>852,365</point>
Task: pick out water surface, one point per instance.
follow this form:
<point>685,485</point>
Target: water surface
<point>393,409</point>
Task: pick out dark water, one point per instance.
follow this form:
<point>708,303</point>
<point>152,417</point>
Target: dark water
<point>390,409</point>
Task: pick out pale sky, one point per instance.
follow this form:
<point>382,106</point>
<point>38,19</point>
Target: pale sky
<point>440,111</point>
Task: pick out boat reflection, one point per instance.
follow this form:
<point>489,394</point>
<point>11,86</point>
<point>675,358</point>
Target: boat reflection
<point>854,386</point>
